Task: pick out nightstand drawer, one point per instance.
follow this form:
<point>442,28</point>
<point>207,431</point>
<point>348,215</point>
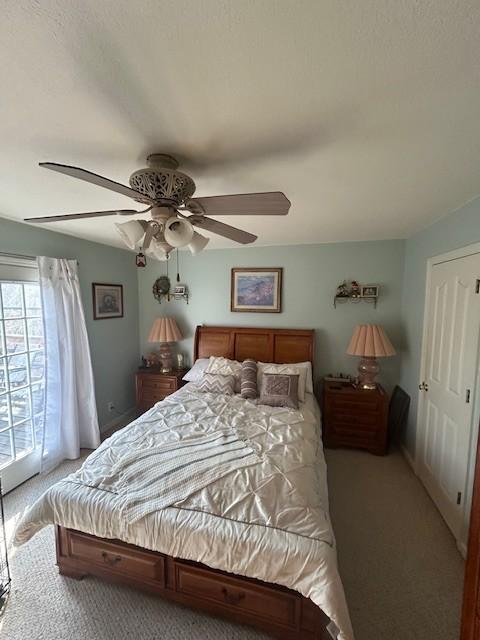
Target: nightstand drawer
<point>165,384</point>
<point>356,405</point>
<point>357,423</point>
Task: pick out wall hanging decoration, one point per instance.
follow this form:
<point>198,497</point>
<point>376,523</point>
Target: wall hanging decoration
<point>107,301</point>
<point>256,290</point>
<point>356,292</point>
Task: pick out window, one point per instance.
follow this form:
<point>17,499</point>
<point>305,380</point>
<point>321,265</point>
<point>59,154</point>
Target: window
<point>22,367</point>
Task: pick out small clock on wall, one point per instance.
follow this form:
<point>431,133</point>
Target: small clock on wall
<point>161,287</point>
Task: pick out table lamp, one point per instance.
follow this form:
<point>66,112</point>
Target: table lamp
<point>369,341</point>
<point>165,331</point>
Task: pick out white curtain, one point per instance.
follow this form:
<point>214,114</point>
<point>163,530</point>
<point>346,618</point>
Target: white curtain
<point>70,420</point>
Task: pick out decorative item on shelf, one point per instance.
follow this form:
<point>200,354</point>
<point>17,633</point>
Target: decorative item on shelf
<point>107,301</point>
<point>165,331</point>
<point>181,292</point>
<point>256,290</point>
<point>342,290</point>
<point>5,578</point>
<point>356,292</point>
<point>355,289</point>
<point>369,341</point>
<point>161,287</point>
<point>369,291</point>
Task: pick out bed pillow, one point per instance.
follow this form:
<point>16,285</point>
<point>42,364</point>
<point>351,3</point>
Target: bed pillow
<point>279,390</point>
<point>248,385</point>
<point>287,369</point>
<point>217,383</point>
<point>226,367</point>
<point>196,372</point>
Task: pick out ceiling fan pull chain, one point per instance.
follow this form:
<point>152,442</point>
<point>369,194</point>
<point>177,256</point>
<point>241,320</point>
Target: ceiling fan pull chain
<point>178,269</point>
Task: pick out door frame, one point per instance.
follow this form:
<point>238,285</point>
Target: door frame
<point>450,256</point>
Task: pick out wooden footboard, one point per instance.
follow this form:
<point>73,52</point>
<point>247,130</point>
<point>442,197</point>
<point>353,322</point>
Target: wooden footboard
<point>280,612</point>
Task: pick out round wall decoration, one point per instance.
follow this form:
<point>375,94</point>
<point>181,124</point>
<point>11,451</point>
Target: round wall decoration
<point>161,287</point>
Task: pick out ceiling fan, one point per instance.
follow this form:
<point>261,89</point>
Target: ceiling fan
<point>168,194</point>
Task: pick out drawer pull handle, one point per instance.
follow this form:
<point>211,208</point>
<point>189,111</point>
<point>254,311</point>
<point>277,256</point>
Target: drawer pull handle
<point>110,560</point>
<point>232,598</point>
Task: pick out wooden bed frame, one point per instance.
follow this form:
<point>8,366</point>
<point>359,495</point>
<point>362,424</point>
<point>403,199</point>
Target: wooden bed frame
<point>276,610</point>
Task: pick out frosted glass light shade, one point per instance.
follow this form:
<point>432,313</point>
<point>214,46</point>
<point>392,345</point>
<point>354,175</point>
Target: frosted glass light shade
<point>164,330</point>
<point>178,232</point>
<point>370,341</point>
<point>131,232</point>
<point>198,243</point>
<point>158,250</point>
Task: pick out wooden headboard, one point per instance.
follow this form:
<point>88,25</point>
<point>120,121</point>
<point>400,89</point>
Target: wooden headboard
<point>266,345</point>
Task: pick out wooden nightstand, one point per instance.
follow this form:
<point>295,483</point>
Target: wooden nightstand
<point>355,417</point>
<point>153,386</point>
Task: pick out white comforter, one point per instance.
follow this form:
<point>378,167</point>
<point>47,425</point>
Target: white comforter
<point>268,521</point>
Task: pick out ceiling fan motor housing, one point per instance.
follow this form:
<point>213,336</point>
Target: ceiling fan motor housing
<point>162,182</point>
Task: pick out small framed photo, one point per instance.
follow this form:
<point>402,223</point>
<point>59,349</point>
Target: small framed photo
<point>256,290</point>
<point>107,301</point>
<point>180,290</point>
<point>369,291</point>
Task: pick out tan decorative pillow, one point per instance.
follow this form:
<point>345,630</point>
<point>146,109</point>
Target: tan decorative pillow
<point>291,369</point>
<point>248,387</point>
<point>216,383</point>
<point>279,390</point>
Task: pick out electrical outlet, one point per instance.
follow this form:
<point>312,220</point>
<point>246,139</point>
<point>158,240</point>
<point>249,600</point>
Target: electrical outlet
<point>110,407</point>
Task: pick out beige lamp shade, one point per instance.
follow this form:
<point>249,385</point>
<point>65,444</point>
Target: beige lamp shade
<point>370,341</point>
<point>164,330</point>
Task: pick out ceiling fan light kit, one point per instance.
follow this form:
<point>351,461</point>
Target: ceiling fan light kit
<point>166,190</point>
<point>198,243</point>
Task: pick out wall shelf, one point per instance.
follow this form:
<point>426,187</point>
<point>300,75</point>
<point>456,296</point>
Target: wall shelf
<point>370,299</point>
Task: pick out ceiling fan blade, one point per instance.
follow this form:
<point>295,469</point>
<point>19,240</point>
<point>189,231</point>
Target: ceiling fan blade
<point>93,178</point>
<point>222,229</point>
<point>272,203</point>
<point>91,214</point>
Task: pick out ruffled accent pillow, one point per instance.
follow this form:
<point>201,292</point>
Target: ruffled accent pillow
<point>196,372</point>
<point>217,383</point>
<point>248,386</point>
<point>226,367</point>
<point>279,390</point>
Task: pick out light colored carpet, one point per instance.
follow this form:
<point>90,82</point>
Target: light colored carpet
<point>401,570</point>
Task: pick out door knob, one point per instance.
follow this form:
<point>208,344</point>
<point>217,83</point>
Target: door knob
<point>423,386</point>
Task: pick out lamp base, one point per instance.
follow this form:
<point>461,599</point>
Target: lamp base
<point>166,357</point>
<point>368,368</point>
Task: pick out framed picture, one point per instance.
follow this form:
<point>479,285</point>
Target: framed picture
<point>369,291</point>
<point>256,290</point>
<point>107,301</point>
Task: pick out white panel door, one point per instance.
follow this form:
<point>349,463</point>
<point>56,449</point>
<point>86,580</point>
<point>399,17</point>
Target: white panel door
<point>452,341</point>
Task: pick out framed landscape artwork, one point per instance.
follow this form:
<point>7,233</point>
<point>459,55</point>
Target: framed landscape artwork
<point>107,301</point>
<point>256,290</point>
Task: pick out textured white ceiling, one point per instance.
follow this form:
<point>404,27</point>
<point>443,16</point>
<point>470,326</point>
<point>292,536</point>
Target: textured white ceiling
<point>366,114</point>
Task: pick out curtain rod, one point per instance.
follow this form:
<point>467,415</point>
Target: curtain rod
<point>23,256</point>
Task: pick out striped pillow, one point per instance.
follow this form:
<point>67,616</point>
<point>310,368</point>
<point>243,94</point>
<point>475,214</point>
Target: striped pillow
<point>216,383</point>
<point>248,385</point>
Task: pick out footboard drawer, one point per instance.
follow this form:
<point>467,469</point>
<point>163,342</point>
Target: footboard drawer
<point>117,557</point>
<point>273,605</point>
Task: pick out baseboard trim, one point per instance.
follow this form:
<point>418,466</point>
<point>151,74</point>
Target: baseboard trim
<point>119,421</point>
<point>408,457</point>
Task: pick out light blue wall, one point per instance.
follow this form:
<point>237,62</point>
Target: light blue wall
<point>452,232</point>
<point>311,274</point>
<point>113,343</point>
